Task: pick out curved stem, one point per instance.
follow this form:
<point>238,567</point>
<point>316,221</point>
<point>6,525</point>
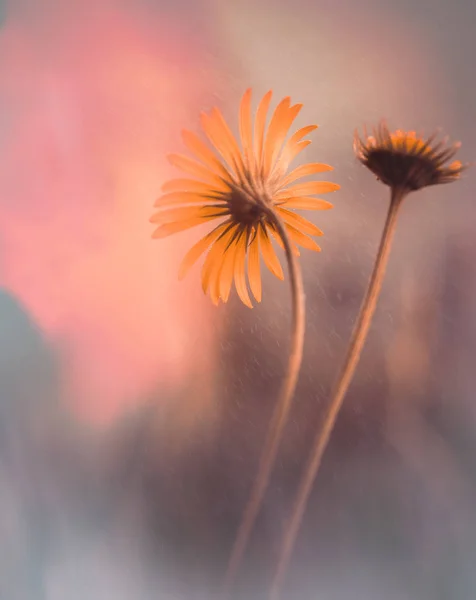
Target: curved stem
<point>351,360</point>
<point>281,410</point>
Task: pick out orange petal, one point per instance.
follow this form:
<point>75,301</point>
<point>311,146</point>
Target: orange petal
<point>269,255</point>
<point>304,203</point>
<point>198,249</point>
<point>280,242</point>
<point>260,124</point>
<point>187,212</point>
<point>302,239</point>
<point>193,168</point>
<point>171,228</point>
<point>221,137</point>
<point>289,155</point>
<point>292,148</point>
<point>228,134</point>
<point>307,189</point>
<point>225,276</point>
<point>246,129</point>
<point>188,198</point>
<point>240,273</point>
<point>299,222</point>
<point>277,132</point>
<point>300,133</point>
<point>203,153</point>
<point>214,258</point>
<point>278,116</point>
<point>254,274</point>
<point>191,185</point>
<point>304,171</point>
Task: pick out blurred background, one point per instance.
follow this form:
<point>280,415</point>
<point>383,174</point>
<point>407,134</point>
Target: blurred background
<point>132,411</point>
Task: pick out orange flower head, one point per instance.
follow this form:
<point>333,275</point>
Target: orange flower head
<point>241,187</point>
<point>406,161</point>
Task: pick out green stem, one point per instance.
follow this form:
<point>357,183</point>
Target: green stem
<point>281,411</point>
<point>351,360</point>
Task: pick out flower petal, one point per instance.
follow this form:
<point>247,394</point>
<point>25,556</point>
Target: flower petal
<point>240,273</point>
<point>299,222</point>
<point>307,189</point>
<point>254,274</point>
<point>280,242</point>
<point>292,148</point>
<point>228,134</point>
<point>188,198</point>
<point>203,153</point>
<point>192,185</point>
<point>456,165</point>
<point>304,171</point>
<point>302,239</point>
<point>198,249</point>
<point>246,129</point>
<point>177,227</point>
<point>305,203</point>
<point>185,213</point>
<point>220,136</point>
<point>225,276</point>
<point>277,132</point>
<point>214,259</point>
<point>260,124</point>
<point>289,155</point>
<point>193,168</point>
<point>278,116</point>
<point>269,255</point>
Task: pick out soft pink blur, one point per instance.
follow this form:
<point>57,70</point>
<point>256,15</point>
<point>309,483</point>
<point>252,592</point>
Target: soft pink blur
<point>93,100</point>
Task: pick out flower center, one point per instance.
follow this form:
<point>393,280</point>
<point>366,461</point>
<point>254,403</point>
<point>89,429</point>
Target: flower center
<point>394,168</point>
<point>246,207</point>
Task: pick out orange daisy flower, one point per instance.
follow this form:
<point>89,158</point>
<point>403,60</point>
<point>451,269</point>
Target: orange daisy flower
<point>406,161</point>
<point>242,187</point>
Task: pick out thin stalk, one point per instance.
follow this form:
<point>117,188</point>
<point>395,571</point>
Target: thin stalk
<point>351,360</point>
<point>281,410</point>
